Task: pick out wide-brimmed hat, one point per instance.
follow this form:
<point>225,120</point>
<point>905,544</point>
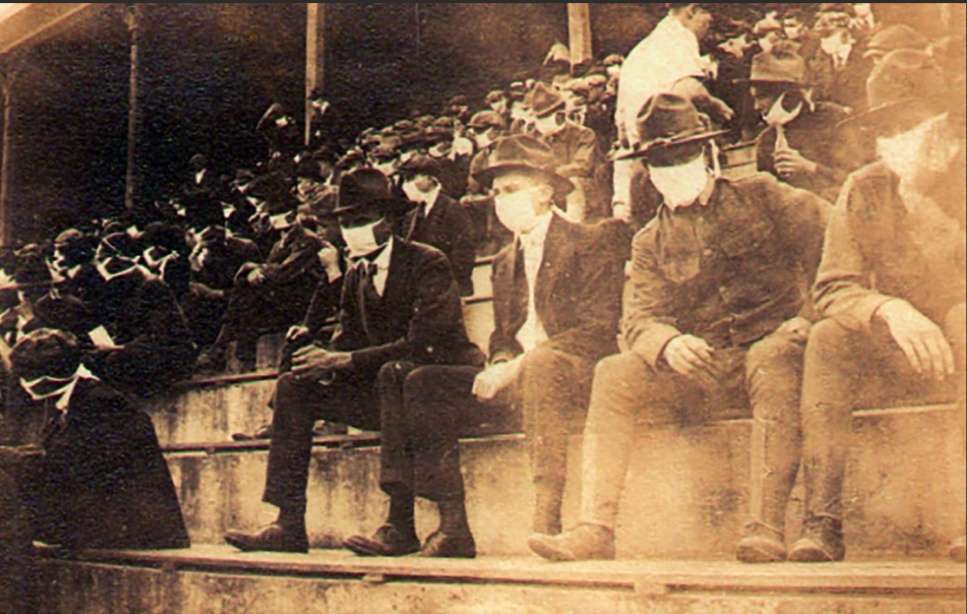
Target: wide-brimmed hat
<point>523,153</point>
<point>669,121</point>
<point>779,66</point>
<point>544,100</point>
<point>891,38</point>
<point>362,189</point>
<point>904,79</point>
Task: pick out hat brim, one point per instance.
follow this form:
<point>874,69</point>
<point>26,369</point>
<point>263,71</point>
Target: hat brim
<point>562,185</point>
<point>751,81</point>
<point>552,109</point>
<point>660,145</point>
<point>884,114</point>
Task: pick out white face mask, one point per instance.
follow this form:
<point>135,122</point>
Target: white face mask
<point>837,43</point>
<point>614,70</point>
<point>793,32</point>
<point>462,147</point>
<point>387,168</point>
<point>361,240</point>
<point>766,44</point>
<point>778,115</point>
<point>900,153</point>
<point>547,125</point>
<point>680,185</point>
<point>516,210</point>
<point>482,140</point>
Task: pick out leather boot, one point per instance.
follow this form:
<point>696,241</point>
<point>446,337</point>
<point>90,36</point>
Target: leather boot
<point>273,538</point>
<point>386,541</point>
<point>583,543</point>
<point>761,544</point>
<point>821,541</point>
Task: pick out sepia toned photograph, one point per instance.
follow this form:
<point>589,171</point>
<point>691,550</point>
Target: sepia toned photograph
<point>483,308</point>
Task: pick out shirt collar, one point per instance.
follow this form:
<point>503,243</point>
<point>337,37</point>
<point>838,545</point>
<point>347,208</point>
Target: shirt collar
<point>536,235</point>
<point>431,198</point>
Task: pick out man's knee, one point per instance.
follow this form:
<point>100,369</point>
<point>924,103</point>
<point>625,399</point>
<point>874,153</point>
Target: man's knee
<point>290,393</point>
<point>393,375</point>
<point>543,360</point>
<point>830,341</point>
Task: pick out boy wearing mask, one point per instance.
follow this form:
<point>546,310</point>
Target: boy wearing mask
<point>399,303</point>
<point>714,317</point>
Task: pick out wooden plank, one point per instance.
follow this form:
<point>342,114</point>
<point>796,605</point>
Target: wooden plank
<point>579,33</point>
<point>873,577</point>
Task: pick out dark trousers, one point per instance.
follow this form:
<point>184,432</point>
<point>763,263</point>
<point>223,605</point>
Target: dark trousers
<point>627,389</point>
<point>350,399</point>
<point>423,418</point>
<point>424,411</point>
<point>268,308</point>
<point>838,360</point>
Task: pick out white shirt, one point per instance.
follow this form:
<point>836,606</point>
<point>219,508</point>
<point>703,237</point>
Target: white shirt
<point>200,175</point>
<point>431,198</point>
<point>668,54</point>
<point>532,333</point>
<point>382,263</point>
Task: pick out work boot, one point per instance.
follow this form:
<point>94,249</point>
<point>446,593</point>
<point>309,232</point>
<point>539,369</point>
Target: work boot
<point>584,542</point>
<point>443,545</point>
<point>957,548</point>
<point>821,541</point>
<point>761,544</point>
<point>273,538</point>
<point>386,541</point>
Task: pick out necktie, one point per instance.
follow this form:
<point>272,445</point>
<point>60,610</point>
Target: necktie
<point>367,272</point>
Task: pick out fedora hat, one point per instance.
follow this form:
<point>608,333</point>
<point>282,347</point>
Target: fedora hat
<point>362,189</point>
<point>487,119</point>
<point>544,100</point>
<point>669,121</point>
<point>781,66</point>
<point>523,153</point>
<point>904,79</point>
<point>421,164</point>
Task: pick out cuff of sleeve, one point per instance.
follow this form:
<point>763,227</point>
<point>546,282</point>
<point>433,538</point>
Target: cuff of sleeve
<point>863,310</point>
<point>651,344</point>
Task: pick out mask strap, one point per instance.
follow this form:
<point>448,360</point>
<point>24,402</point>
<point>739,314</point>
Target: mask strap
<point>716,169</point>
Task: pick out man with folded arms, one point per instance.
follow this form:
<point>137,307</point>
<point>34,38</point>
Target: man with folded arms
<point>713,317</point>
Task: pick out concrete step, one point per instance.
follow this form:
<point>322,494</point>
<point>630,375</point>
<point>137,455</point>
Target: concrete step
<point>686,495</point>
<point>216,580</point>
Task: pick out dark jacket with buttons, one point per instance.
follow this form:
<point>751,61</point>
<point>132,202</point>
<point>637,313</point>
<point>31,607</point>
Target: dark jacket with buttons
<point>418,318</point>
<point>731,271</point>
<point>448,228</point>
<point>577,295</point>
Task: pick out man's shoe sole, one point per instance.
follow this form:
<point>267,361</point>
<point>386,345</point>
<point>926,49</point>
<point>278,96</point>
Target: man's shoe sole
<point>541,548</point>
<point>811,553</point>
<point>363,546</point>
<point>244,547</point>
<point>758,553</point>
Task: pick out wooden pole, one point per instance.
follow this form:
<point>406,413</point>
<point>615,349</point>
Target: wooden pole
<point>6,165</point>
<point>579,32</point>
<point>315,57</point>
<point>132,178</point>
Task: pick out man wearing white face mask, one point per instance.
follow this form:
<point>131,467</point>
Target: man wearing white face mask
<point>557,292</point>
<point>438,220</point>
<point>575,149</point>
<point>399,309</point>
<point>800,144</point>
<point>835,67</point>
<point>892,289</point>
<point>714,318</point>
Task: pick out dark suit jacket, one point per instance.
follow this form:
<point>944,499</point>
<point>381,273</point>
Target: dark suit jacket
<point>577,295</point>
<point>814,135</point>
<point>449,229</point>
<point>419,318</point>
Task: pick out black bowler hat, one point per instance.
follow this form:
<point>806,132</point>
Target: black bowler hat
<point>421,164</point>
<point>363,189</point>
<point>667,122</point>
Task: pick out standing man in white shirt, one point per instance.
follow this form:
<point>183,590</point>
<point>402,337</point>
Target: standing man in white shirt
<point>665,61</point>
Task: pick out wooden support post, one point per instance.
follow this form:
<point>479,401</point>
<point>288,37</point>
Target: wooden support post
<point>579,32</point>
<point>6,165</point>
<point>315,57</point>
<point>131,177</point>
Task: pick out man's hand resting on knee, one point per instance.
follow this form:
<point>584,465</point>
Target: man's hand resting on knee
<point>314,362</point>
<point>921,341</point>
<point>489,382</point>
<point>692,357</point>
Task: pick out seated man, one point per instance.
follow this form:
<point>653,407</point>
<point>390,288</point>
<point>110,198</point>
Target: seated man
<point>800,144</point>
<point>557,294</point>
<point>102,481</point>
<point>575,150</point>
<point>900,222</point>
<point>399,303</point>
<point>437,219</point>
<point>713,318</point>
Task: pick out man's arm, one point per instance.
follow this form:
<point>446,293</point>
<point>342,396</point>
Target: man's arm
<point>843,288</point>
<point>649,321</point>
